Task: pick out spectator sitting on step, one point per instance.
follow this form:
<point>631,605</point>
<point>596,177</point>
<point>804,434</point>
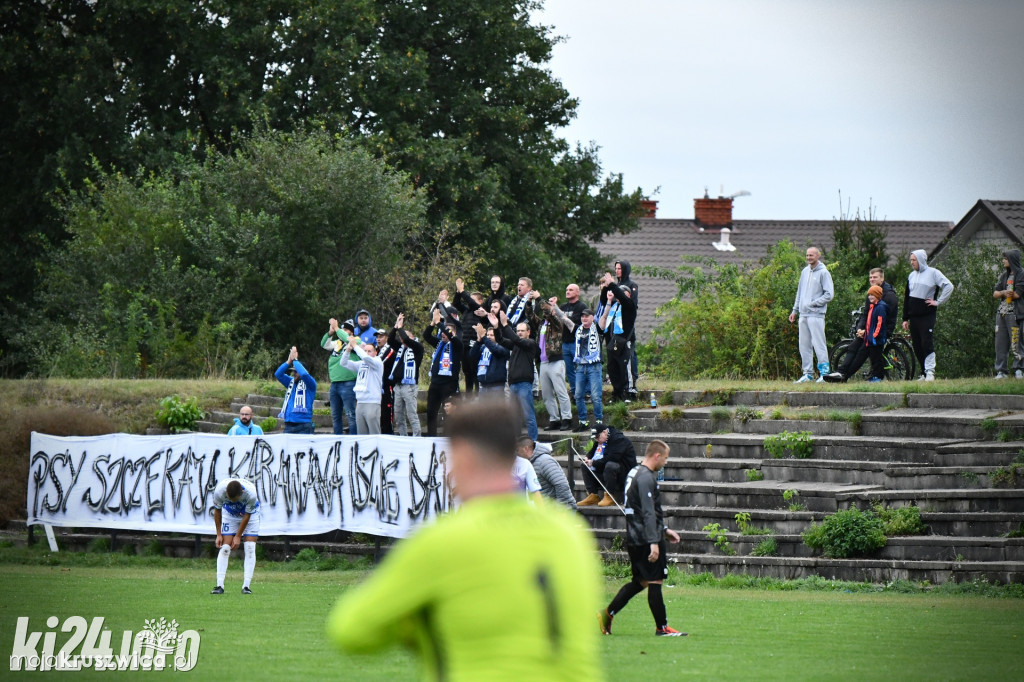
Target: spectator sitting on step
<point>553,483</point>
<point>609,461</point>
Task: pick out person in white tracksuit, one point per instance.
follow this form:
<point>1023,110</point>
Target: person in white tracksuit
<point>812,296</point>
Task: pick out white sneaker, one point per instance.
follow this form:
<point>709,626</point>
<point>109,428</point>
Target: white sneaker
<point>804,379</point>
<point>929,376</point>
<point>820,380</point>
<point>1001,375</point>
<point>1018,374</point>
<point>922,378</point>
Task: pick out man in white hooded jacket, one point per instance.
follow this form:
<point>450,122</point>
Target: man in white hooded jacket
<point>927,289</point>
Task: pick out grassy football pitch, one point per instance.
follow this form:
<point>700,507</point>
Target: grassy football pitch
<point>734,633</point>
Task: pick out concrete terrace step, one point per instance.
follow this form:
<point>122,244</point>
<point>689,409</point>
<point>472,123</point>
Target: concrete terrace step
<point>909,548</point>
<point>855,570</point>
<point>850,399</point>
<point>785,522</point>
<point>948,500</point>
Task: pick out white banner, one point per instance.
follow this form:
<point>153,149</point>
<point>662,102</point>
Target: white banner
<point>382,485</point>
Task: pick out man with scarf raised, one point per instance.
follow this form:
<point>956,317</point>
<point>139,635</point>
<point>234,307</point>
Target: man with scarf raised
<point>444,366</point>
<point>405,376</point>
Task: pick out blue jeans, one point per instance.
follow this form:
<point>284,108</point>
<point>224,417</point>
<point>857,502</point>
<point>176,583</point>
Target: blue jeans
<point>524,390</point>
<point>299,427</point>
<point>343,398</point>
<point>568,354</point>
<point>588,378</point>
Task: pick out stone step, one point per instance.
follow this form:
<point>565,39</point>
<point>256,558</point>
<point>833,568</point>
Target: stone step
<point>947,500</point>
<point>814,397</point>
<point>907,548</point>
<point>785,522</point>
<point>855,570</point>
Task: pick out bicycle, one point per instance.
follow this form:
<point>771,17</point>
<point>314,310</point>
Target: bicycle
<point>897,357</point>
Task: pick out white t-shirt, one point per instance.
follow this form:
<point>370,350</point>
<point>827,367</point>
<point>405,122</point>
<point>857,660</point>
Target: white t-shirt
<point>525,476</point>
<point>248,503</point>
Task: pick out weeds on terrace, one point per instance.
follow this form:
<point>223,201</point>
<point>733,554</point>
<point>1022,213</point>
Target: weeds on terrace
<point>790,443</point>
<point>847,533</point>
<point>619,416</point>
<point>899,520</point>
<point>754,475</point>
<point>718,535</point>
<point>767,547</point>
<point>743,523</point>
<point>672,413</point>
<point>745,414</point>
<point>790,497</point>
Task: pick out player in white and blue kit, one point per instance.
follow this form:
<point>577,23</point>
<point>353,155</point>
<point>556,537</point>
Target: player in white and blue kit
<point>236,511</point>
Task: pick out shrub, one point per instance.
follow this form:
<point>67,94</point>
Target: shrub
<point>794,444</point>
<point>268,424</point>
<point>900,520</point>
<point>754,475</point>
<point>16,427</point>
<point>178,415</point>
<point>743,523</point>
<point>847,533</point>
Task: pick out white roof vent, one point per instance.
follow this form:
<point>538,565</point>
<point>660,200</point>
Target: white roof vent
<point>723,244</point>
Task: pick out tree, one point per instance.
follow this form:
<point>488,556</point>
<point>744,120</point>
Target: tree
<point>453,92</point>
<point>217,267</point>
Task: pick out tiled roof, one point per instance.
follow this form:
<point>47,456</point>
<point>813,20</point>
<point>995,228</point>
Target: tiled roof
<point>1009,213</point>
<point>661,242</point>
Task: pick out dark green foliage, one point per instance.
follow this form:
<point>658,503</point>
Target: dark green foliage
<point>767,547</point>
<point>618,415</point>
<point>798,444</point>
<point>455,93</point>
<point>847,533</point>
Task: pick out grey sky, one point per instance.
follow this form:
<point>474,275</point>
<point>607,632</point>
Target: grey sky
<point>914,105</point>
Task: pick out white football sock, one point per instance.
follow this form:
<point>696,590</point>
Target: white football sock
<point>222,563</point>
<point>250,561</point>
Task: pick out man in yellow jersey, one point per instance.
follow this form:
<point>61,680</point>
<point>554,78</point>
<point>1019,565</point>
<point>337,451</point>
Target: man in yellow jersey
<point>499,590</point>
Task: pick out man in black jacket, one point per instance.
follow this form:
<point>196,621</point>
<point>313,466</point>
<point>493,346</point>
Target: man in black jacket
<point>520,366</point>
<point>405,376</point>
<point>471,313</point>
<point>610,459</point>
<point>616,319</point>
<point>622,273</point>
<point>445,366</point>
<point>892,306</point>
<point>645,543</point>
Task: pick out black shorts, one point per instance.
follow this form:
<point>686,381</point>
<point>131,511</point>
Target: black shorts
<point>644,569</point>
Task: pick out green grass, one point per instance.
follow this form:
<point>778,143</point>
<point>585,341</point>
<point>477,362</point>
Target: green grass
<point>831,630</point>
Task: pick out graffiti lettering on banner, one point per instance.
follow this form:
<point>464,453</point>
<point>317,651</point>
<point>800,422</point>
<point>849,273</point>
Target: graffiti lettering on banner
<point>381,485</point>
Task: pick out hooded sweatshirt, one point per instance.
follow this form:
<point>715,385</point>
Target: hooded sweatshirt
<point>368,334</point>
<point>1012,278</point>
<point>814,291</point>
<point>924,283</point>
<point>617,448</point>
<point>240,429</point>
<point>634,290</point>
<point>499,295</point>
<point>369,375</point>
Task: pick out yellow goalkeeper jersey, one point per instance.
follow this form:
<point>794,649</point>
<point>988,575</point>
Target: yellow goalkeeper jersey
<point>499,590</point>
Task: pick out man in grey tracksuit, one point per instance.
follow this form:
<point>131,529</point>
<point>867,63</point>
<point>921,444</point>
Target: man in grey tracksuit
<point>553,483</point>
<point>812,296</point>
<point>369,377</point>
<point>927,289</point>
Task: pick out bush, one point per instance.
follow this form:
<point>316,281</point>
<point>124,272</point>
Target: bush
<point>178,415</point>
<point>268,424</point>
<point>900,520</point>
<point>790,443</point>
<point>767,547</point>
<point>847,533</point>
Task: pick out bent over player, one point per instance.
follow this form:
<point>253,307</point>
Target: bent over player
<point>239,522</point>
<point>645,542</point>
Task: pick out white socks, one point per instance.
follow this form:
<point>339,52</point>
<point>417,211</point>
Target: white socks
<point>222,563</point>
<point>250,561</point>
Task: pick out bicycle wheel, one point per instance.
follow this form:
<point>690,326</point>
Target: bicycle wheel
<point>899,366</point>
<point>837,357</point>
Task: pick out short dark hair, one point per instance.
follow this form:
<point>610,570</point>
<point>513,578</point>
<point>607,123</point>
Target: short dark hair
<point>234,490</point>
<point>523,442</point>
<point>492,425</point>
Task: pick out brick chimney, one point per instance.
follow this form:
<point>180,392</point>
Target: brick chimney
<point>710,212</point>
<point>648,208</point>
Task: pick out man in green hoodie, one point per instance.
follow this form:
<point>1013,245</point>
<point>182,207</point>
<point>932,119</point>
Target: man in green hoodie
<point>343,380</point>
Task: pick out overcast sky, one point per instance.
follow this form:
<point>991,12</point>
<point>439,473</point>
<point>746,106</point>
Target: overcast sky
<point>914,105</point>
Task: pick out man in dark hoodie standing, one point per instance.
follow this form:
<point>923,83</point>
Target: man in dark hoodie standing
<point>622,272</point>
<point>520,365</point>
<point>497,293</point>
<point>609,461</point>
<point>616,319</point>
<point>1009,316</point>
<point>445,366</point>
<point>471,313</point>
